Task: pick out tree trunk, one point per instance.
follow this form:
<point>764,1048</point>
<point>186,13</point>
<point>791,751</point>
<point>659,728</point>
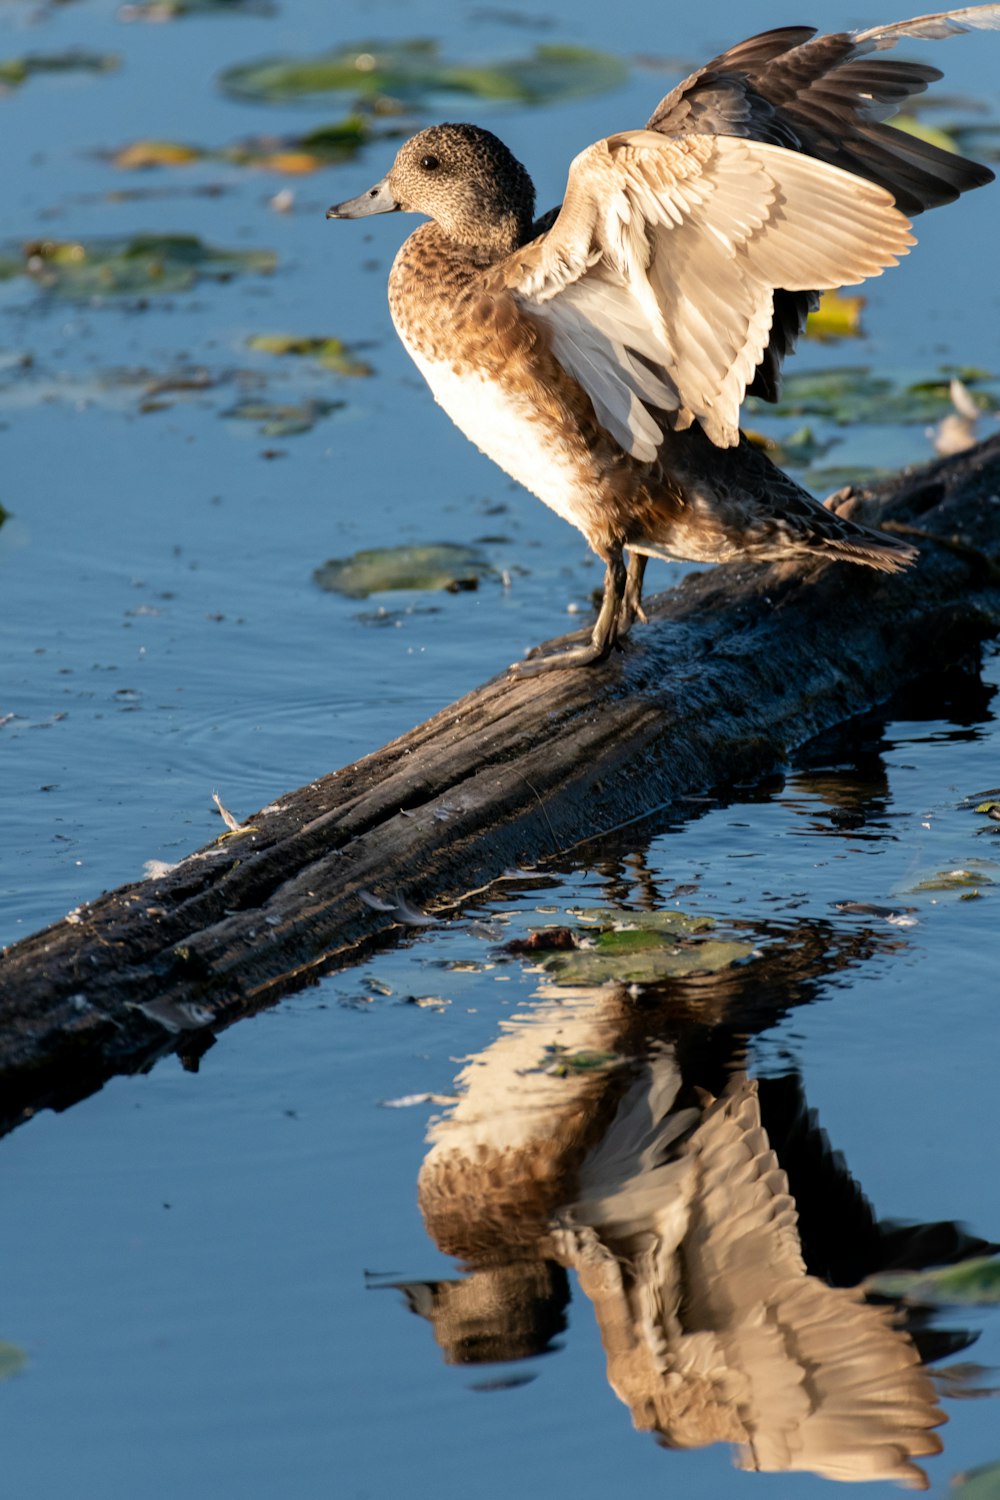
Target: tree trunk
<point>738,668</point>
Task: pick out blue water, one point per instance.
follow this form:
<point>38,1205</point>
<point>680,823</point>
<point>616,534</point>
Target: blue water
<point>185,1255</point>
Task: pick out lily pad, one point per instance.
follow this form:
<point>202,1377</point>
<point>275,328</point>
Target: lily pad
<point>852,395</point>
<point>955,880</point>
<point>172,10</point>
<point>441,565</point>
<point>293,155</point>
<point>934,135</point>
<point>333,353</point>
<point>283,419</point>
<point>638,948</point>
<point>977,1484</point>
<point>975,1283</point>
<point>16,70</point>
<point>413,71</point>
<point>12,1359</point>
<point>837,317</point>
<point>146,264</point>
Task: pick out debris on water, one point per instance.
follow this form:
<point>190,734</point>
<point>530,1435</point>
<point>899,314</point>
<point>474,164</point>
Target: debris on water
<point>956,431</point>
<point>232,823</point>
<point>400,908</point>
<point>175,1015</point>
<point>896,916</point>
<point>407,1101</point>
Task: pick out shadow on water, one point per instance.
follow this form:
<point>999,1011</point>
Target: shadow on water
<point>613,1133</point>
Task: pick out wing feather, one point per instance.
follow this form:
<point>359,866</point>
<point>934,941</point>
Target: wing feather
<point>657,280</point>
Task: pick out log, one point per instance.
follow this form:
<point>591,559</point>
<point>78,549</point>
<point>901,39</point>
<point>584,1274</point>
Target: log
<point>737,669</point>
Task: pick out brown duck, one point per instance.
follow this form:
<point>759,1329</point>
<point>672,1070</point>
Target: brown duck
<point>600,354</point>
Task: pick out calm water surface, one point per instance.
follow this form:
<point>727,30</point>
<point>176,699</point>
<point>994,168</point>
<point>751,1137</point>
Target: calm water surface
<point>213,1274</point>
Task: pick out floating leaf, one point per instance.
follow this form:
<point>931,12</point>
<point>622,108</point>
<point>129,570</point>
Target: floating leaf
<point>853,395</point>
<point>977,1484</point>
<point>289,419</point>
<point>295,155</point>
<point>837,317</point>
<point>637,948</point>
<point>974,1283</point>
<point>932,134</point>
<point>331,352</point>
<point>143,265</point>
<point>955,880</point>
<point>15,70</point>
<point>172,10</point>
<point>442,565</point>
<point>155,154</point>
<point>12,1359</point>
<point>561,1063</point>
<point>413,70</point>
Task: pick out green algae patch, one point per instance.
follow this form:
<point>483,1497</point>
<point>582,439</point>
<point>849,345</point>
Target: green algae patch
<point>143,265</point>
<point>414,72</point>
<point>332,353</point>
<point>434,566</point>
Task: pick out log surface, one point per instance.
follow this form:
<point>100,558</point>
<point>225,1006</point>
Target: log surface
<point>737,669</point>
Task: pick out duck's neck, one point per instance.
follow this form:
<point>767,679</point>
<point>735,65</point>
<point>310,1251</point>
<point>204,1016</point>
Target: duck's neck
<point>497,239</point>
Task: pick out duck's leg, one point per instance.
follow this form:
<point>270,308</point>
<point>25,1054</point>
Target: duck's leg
<point>631,608</point>
<point>604,635</point>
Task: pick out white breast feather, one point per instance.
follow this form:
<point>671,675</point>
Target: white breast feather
<point>508,431</point>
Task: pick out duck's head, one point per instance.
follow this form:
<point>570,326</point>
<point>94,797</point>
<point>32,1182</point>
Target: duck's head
<point>462,177</point>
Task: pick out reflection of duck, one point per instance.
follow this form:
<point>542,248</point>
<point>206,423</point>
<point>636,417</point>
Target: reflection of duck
<point>601,354</point>
<point>658,1183</point>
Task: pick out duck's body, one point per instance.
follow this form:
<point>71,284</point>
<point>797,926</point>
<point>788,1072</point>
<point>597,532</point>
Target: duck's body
<point>600,355</point>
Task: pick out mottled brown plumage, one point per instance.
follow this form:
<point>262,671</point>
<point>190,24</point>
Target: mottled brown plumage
<point>600,355</point>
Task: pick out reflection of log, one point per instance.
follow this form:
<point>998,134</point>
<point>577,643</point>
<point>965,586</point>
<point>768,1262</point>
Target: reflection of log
<point>740,667</point>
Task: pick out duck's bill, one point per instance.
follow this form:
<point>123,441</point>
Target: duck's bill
<point>377,200</point>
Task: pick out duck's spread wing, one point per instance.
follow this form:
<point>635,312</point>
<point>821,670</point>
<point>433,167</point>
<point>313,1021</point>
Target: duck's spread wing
<point>656,281</point>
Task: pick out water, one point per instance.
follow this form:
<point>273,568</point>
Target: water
<point>185,1255</point>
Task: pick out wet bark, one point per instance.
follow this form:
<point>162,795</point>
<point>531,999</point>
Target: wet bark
<point>737,669</point>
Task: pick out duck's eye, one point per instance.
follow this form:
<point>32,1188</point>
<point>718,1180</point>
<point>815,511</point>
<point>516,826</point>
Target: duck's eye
<point>429,163</point>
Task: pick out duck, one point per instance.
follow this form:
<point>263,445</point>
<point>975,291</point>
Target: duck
<point>600,353</point>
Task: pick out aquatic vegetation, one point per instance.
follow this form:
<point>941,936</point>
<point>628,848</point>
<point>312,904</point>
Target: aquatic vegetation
<point>855,395</point>
<point>146,264</point>
<point>413,72</point>
<point>296,155</point>
<point>435,566</point>
<point>17,70</point>
<point>332,353</point>
<point>641,947</point>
